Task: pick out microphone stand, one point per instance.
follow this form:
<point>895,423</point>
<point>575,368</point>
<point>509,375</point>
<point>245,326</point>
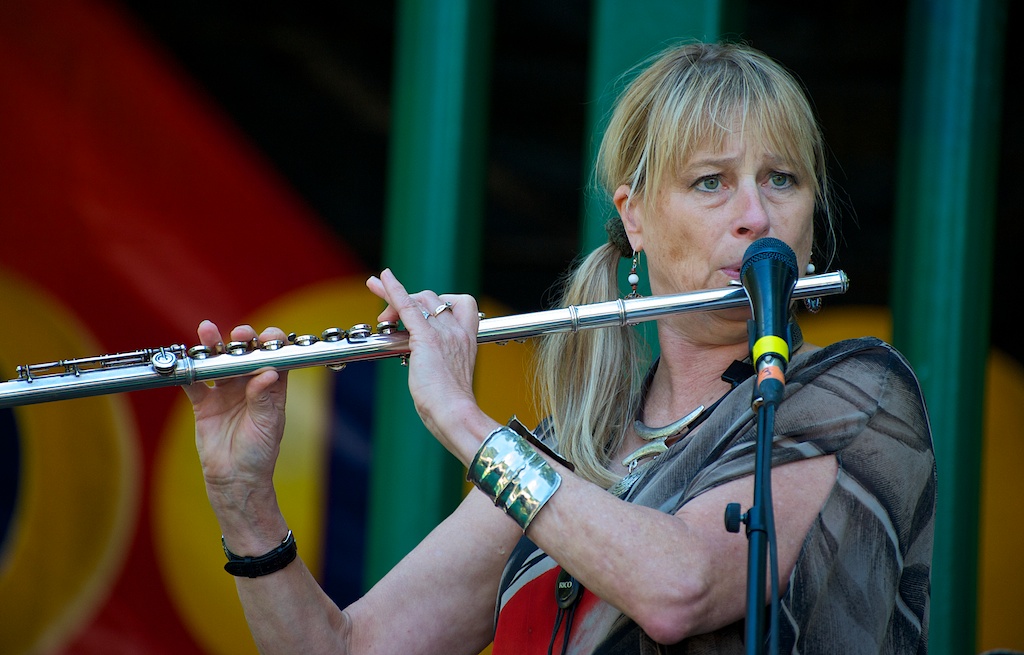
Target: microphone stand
<point>759,519</point>
<point>769,275</point>
<point>760,529</point>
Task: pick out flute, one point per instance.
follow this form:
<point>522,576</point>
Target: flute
<point>177,365</point>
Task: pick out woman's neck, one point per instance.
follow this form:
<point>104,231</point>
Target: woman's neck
<point>688,376</point>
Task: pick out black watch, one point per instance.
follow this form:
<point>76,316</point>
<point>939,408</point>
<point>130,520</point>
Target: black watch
<point>254,567</point>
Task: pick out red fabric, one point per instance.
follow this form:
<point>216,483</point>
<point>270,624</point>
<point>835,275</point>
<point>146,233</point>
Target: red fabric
<point>130,200</point>
<point>528,618</point>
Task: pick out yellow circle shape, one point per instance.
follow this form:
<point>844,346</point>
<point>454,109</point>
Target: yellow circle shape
<point>77,498</point>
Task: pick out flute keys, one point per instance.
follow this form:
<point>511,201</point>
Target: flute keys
<point>164,361</point>
<point>237,347</point>
<point>333,334</point>
<point>199,352</point>
<point>359,331</point>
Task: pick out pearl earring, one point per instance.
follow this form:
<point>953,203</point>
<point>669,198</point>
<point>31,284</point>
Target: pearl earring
<point>813,305</point>
<point>633,278</point>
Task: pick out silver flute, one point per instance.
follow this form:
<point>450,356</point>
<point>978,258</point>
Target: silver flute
<point>177,365</point>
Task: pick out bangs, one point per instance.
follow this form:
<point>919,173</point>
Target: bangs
<point>697,97</point>
<point>706,107</point>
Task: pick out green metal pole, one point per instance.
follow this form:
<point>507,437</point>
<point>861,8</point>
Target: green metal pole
<point>941,293</point>
<point>432,240</point>
<point>624,33</point>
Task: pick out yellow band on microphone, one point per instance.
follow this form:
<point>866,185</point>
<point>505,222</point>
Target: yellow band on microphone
<point>770,344</point>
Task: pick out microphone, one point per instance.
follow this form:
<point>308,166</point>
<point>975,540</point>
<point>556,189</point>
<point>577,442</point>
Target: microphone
<point>769,274</point>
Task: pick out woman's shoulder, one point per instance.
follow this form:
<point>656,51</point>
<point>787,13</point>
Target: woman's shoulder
<point>864,377</point>
<point>870,355</point>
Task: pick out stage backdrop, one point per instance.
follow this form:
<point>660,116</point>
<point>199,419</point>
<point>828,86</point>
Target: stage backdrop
<point>130,210</point>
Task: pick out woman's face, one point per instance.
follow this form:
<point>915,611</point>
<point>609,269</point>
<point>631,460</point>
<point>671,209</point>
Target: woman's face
<point>706,216</point>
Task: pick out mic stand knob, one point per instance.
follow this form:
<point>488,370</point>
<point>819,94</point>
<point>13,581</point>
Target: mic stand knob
<point>734,516</point>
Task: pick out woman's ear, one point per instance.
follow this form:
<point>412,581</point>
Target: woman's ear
<point>631,214</point>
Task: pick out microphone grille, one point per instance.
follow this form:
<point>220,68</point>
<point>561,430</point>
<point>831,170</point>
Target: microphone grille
<point>771,249</point>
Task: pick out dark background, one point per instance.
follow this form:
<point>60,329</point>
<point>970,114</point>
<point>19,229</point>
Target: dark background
<point>310,85</point>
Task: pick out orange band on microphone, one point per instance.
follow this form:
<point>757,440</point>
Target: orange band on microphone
<point>770,344</point>
<point>770,373</point>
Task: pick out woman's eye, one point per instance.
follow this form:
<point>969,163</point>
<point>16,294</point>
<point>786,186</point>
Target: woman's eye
<point>781,180</point>
<point>709,183</point>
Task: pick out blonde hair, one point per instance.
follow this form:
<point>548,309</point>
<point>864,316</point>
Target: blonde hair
<point>689,96</point>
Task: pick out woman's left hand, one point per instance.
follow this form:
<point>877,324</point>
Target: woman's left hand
<point>443,344</point>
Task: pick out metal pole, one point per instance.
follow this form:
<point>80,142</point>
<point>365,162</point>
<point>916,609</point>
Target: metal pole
<point>942,297</point>
<point>435,199</point>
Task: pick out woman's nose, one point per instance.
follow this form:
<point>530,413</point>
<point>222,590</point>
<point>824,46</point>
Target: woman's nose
<point>751,212</point>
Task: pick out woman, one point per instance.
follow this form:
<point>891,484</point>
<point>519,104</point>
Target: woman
<point>711,148</point>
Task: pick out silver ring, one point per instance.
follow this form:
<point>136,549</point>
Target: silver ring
<point>426,314</point>
<point>447,306</point>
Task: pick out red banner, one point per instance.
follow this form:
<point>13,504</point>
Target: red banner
<point>130,210</point>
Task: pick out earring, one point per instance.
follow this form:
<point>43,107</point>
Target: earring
<point>813,305</point>
<point>633,278</point>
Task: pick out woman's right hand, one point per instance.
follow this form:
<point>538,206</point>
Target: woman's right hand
<point>239,425</point>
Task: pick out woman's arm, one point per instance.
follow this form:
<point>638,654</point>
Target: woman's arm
<point>675,575</point>
<point>683,574</point>
<point>440,598</point>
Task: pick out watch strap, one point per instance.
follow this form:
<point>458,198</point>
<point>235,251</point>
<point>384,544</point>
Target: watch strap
<point>254,567</point>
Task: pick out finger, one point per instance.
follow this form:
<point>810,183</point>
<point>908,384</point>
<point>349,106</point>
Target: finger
<point>209,334</point>
<point>374,284</point>
<point>464,306</point>
<point>243,333</point>
<point>408,308</point>
<point>445,307</point>
<point>272,334</point>
<point>258,389</point>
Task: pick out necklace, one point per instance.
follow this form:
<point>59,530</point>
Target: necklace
<point>656,439</point>
<point>654,445</point>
